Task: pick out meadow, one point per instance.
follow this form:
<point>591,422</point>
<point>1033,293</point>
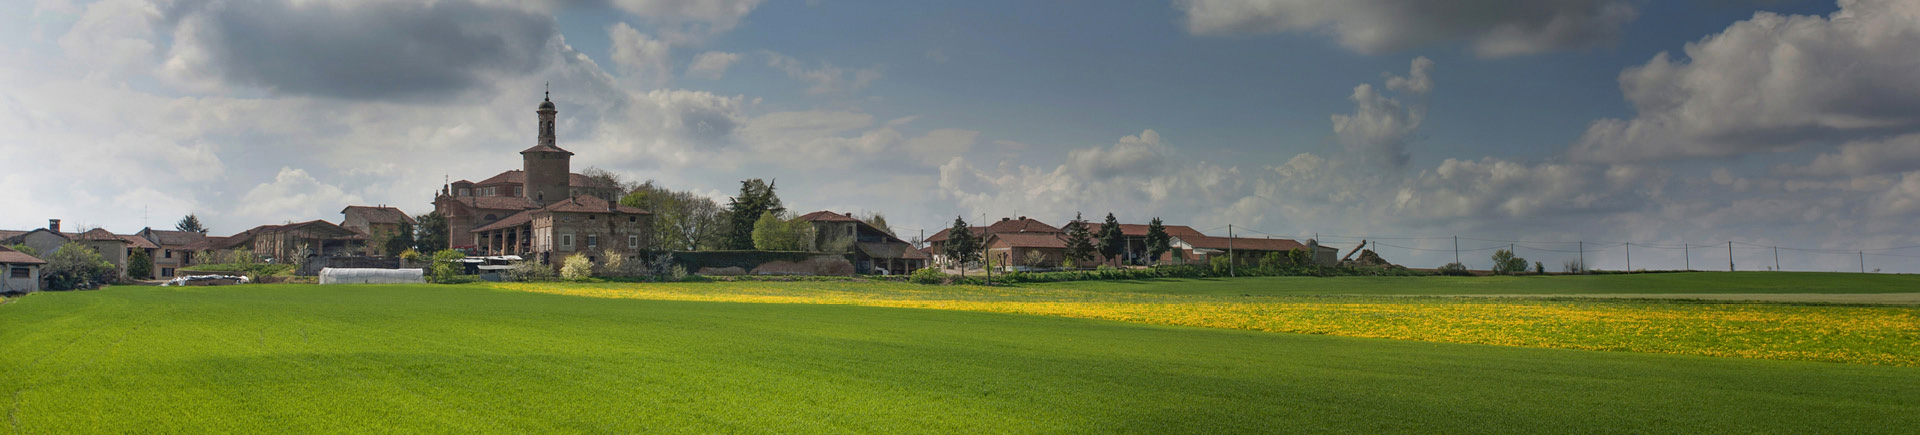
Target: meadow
<point>818,357</point>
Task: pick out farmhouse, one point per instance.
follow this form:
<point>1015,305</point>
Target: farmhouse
<point>1135,238</point>
<point>22,271</point>
<point>284,243</point>
<point>174,252</point>
<point>872,249</point>
<point>937,242</point>
<point>377,223</point>
<point>1248,251</point>
<point>542,210</point>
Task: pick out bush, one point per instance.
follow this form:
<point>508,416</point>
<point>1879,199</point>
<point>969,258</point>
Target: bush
<point>76,266</point>
<point>677,273</point>
<point>1505,263</point>
<point>531,271</point>
<point>927,276</point>
<point>1455,269</point>
<point>1539,268</point>
<point>445,269</point>
<point>1574,266</point>
<point>412,256</point>
<point>1221,266</point>
<point>577,266</point>
<point>140,265</point>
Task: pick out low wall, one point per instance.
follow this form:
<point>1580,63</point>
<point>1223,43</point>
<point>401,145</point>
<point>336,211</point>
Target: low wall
<point>763,263</point>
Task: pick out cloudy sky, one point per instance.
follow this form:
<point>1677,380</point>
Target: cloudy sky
<point>1658,123</point>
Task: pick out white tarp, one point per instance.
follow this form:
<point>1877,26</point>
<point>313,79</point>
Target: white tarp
<point>336,275</point>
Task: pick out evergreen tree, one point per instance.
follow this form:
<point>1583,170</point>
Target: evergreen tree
<point>1112,242</point>
<point>431,234</point>
<point>140,265</point>
<point>756,198</point>
<point>1079,242</point>
<point>191,223</point>
<point>962,246</point>
<point>400,241</point>
<point>1158,242</point>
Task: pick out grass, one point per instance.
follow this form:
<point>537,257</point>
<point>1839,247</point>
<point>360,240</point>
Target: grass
<point>1678,282</point>
<point>470,358</point>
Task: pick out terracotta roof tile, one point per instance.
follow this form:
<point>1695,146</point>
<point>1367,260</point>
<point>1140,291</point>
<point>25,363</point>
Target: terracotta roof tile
<point>1238,243</point>
<point>102,235</point>
<point>544,148</point>
<point>17,257</point>
<point>139,242</point>
<point>827,216</point>
<point>1027,240</point>
<point>1140,230</point>
<point>379,215</point>
<point>590,204</point>
<point>498,202</point>
<point>517,176</point>
<point>513,220</point>
<point>176,238</point>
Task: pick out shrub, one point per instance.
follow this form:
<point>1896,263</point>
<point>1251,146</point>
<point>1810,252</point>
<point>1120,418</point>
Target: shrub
<point>1505,263</point>
<point>677,273</point>
<point>531,271</point>
<point>1220,265</point>
<point>76,266</point>
<point>577,266</point>
<point>412,256</point>
<point>1300,257</point>
<point>1539,268</point>
<point>140,264</point>
<point>23,248</point>
<point>1275,260</point>
<point>1455,269</point>
<point>1574,266</point>
<point>445,269</point>
<point>928,276</point>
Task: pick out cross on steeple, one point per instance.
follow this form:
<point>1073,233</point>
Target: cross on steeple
<point>549,96</point>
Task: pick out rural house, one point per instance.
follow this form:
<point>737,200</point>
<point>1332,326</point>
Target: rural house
<point>22,271</point>
<point>1248,251</point>
<point>871,249</point>
<point>174,249</point>
<point>377,223</point>
<point>937,242</point>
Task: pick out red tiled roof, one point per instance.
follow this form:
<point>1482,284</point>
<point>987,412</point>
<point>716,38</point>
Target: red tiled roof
<point>513,220</point>
<point>206,244</point>
<point>942,235</point>
<point>1242,243</point>
<point>17,257</point>
<point>139,242</point>
<point>827,216</point>
<point>175,238</point>
<point>517,176</point>
<point>1027,240</point>
<point>102,235</point>
<point>379,215</point>
<point>8,234</point>
<point>1140,230</point>
<point>912,253</point>
<point>498,202</point>
<point>544,148</point>
<point>590,204</point>
<point>1020,225</point>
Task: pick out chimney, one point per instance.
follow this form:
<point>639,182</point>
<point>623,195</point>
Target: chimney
<point>1023,218</point>
<point>53,225</point>
<point>1005,219</point>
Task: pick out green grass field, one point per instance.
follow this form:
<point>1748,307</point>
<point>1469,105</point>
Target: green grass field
<point>1684,282</point>
<point>475,358</point>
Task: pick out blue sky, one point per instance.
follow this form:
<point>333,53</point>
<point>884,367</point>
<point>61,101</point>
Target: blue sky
<point>1788,123</point>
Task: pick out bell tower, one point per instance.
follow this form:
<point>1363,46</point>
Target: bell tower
<point>548,168</point>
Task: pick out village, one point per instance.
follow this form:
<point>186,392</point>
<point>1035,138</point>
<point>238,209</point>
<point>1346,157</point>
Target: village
<point>543,214</point>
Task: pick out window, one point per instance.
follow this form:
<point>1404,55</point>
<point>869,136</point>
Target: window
<point>166,271</point>
<point>593,240</point>
<point>633,241</point>
<point>566,241</point>
<point>589,217</point>
<point>21,272</point>
<point>632,219</point>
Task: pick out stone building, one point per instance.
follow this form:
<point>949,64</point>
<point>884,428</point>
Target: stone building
<point>289,243</point>
<point>871,249</point>
<point>543,210</point>
<point>174,252</point>
<point>377,223</point>
<point>19,272</point>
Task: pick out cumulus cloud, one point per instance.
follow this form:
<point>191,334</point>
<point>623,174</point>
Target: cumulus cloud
<point>1770,83</point>
<point>1494,27</point>
<point>354,50</point>
<point>712,64</point>
<point>640,58</point>
<point>293,193</point>
<point>1379,127</point>
<point>1863,157</point>
<point>683,21</point>
<point>826,79</point>
<point>1133,156</point>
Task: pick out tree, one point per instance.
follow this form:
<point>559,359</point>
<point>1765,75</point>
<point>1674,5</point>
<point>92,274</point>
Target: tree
<point>682,220</point>
<point>74,266</point>
<point>445,268</point>
<point>1158,242</point>
<point>1299,258</point>
<point>401,240</point>
<point>576,266</point>
<point>756,198</point>
<point>878,221</point>
<point>1034,258</point>
<point>432,233</point>
<point>140,264</point>
<point>776,232</point>
<point>23,248</point>
<point>1112,241</point>
<point>962,246</point>
<point>1504,262</point>
<point>190,223</point>
<point>605,184</point>
<point>1079,243</point>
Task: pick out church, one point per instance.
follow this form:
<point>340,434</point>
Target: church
<point>542,211</point>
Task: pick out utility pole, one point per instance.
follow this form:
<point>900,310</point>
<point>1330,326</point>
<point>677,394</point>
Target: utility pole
<point>1729,255</point>
<point>1629,257</point>
<point>1776,259</point>
<point>1686,250</point>
<point>1456,249</point>
<point>1583,256</point>
<point>1863,261</point>
<point>1230,251</point>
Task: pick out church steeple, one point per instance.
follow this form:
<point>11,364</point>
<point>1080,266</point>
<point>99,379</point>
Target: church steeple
<point>547,166</point>
<point>547,113</point>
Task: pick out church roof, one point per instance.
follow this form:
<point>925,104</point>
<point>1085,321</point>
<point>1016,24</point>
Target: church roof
<point>517,176</point>
<point>544,148</point>
<point>590,204</point>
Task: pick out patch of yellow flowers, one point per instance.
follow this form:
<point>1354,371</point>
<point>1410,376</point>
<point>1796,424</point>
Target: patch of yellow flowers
<point>1847,334</point>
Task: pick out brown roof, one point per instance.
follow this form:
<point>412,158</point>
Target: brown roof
<point>17,257</point>
<point>1242,243</point>
<point>827,216</point>
<point>912,253</point>
<point>175,238</point>
<point>513,220</point>
<point>517,176</point>
<point>102,235</point>
<point>139,242</point>
<point>889,250</point>
<point>379,215</point>
<point>941,236</point>
<point>1139,230</point>
<point>1020,225</point>
<point>498,202</point>
<point>544,148</point>
<point>207,244</point>
<point>590,204</point>
<point>1027,240</point>
<point>8,234</point>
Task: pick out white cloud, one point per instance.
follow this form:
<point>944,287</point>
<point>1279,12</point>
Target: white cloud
<point>293,195</point>
<point>1863,157</point>
<point>1494,27</point>
<point>712,64</point>
<point>1378,129</point>
<point>640,58</point>
<point>683,21</point>
<point>827,79</point>
<point>1133,156</point>
<point>1771,83</point>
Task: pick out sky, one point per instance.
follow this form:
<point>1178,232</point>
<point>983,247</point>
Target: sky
<point>1659,130</point>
